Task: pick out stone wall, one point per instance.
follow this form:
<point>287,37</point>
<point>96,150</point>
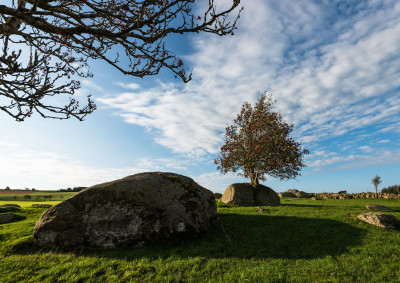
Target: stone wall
<point>357,195</point>
<point>340,195</point>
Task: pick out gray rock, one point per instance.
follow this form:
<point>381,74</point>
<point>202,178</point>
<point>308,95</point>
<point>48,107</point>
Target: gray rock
<point>287,195</point>
<point>6,217</point>
<point>377,207</point>
<point>315,198</point>
<point>135,210</point>
<point>10,205</point>
<point>380,219</point>
<point>246,195</point>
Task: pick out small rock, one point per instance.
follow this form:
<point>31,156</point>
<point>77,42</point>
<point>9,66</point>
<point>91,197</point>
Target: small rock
<point>380,219</point>
<point>260,210</point>
<point>6,218</point>
<point>377,207</point>
<point>10,205</point>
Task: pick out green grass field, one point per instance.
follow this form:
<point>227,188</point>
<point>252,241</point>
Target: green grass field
<point>34,196</point>
<point>300,241</point>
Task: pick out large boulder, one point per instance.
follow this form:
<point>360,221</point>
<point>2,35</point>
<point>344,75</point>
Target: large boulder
<point>246,195</point>
<point>380,219</point>
<point>135,210</point>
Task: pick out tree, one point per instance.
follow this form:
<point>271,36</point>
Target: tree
<point>7,188</point>
<point>27,197</point>
<point>259,144</point>
<point>376,181</point>
<point>47,44</point>
<point>391,189</point>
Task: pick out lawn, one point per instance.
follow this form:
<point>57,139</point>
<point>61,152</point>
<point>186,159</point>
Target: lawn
<point>300,241</point>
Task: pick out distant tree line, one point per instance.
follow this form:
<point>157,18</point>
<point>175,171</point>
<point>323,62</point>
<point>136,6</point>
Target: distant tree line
<point>75,189</point>
<point>391,189</point>
<point>9,189</point>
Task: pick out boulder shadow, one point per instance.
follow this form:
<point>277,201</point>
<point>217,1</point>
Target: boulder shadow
<point>240,236</point>
<point>257,236</point>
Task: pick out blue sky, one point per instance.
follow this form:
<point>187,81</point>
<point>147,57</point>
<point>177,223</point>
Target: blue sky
<point>333,67</point>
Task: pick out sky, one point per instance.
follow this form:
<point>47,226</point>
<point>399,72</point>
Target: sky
<point>332,66</point>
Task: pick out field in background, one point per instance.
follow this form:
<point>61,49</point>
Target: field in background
<point>300,241</point>
<point>41,196</point>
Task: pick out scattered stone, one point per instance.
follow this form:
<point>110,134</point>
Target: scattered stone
<point>342,192</point>
<point>6,217</point>
<point>377,207</point>
<point>260,210</point>
<point>135,210</point>
<point>37,205</point>
<point>246,195</point>
<point>10,205</point>
<point>315,198</point>
<point>380,219</point>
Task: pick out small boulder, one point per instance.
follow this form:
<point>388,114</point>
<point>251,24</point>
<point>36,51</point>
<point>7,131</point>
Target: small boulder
<point>380,219</point>
<point>246,195</point>
<point>10,205</point>
<point>377,207</point>
<point>287,195</point>
<point>6,217</point>
<point>315,198</point>
<point>135,210</point>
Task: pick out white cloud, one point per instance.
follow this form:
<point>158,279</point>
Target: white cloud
<point>331,75</point>
<point>3,143</point>
<point>367,157</point>
<point>128,86</point>
<point>366,148</point>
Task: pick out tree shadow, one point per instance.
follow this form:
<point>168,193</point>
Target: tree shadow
<point>245,236</point>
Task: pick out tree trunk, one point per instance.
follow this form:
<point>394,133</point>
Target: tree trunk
<point>376,189</point>
<point>253,177</point>
<point>254,181</point>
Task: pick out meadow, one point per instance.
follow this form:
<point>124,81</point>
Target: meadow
<point>34,196</point>
<point>300,241</point>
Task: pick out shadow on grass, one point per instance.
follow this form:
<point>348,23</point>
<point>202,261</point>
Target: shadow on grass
<point>258,236</point>
<point>303,205</point>
<point>245,236</point>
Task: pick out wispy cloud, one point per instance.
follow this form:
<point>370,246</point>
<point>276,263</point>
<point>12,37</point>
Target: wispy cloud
<point>128,85</point>
<point>334,69</point>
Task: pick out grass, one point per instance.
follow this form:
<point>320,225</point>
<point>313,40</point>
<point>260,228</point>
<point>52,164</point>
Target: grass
<point>300,241</point>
